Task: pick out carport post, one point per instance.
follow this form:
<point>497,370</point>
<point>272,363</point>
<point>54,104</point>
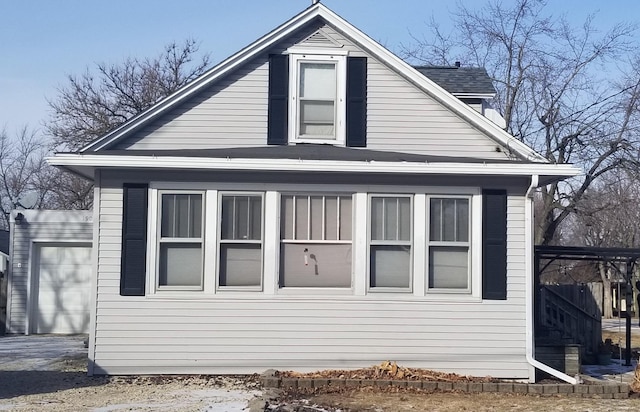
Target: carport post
<point>629,301</point>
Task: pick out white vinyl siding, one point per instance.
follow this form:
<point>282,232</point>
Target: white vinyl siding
<point>233,113</point>
<point>229,334</point>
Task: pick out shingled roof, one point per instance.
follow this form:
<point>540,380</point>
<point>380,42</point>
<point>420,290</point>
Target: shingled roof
<point>460,80</point>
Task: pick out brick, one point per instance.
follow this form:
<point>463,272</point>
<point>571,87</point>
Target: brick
<point>549,388</point>
<point>475,387</point>
<point>595,389</point>
<point>414,384</point>
<point>430,386</point>
<point>610,389</point>
<point>565,388</point>
<point>461,386</point>
<point>319,383</point>
<point>535,389</point>
<point>399,384</point>
<point>489,387</point>
<point>289,383</point>
<point>444,386</point>
<point>575,395</point>
<point>271,382</point>
<point>505,387</point>
<point>383,383</point>
<point>520,388</point>
<point>581,389</point>
<point>624,388</point>
<point>337,383</point>
<point>305,383</point>
<point>621,395</point>
<point>367,382</point>
<point>352,383</point>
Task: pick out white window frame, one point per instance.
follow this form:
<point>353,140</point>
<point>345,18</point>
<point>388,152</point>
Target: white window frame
<point>220,241</point>
<point>339,58</point>
<point>410,242</point>
<point>159,240</point>
<point>473,245</point>
<point>323,193</point>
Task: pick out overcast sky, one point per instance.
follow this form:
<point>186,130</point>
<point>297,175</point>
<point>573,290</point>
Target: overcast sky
<point>42,41</point>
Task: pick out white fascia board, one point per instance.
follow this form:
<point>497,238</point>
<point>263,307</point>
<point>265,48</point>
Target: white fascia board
<point>214,73</point>
<point>475,95</point>
<point>299,165</point>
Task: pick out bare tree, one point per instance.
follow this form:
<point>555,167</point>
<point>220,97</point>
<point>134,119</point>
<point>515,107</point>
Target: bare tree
<point>22,171</point>
<point>91,104</point>
<point>608,216</point>
<point>561,89</point>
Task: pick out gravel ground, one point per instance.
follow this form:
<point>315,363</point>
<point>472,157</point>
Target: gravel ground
<point>48,373</point>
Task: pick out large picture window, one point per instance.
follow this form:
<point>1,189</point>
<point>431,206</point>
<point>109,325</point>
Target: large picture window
<point>390,242</point>
<point>449,244</point>
<point>240,257</point>
<point>316,245</point>
<point>180,258</point>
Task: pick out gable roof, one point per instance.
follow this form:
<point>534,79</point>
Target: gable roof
<point>313,13</point>
<point>461,81</point>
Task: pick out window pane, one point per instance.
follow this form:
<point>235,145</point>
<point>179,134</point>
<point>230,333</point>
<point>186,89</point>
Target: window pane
<point>317,214</point>
<point>302,214</point>
<point>345,217</point>
<point>404,211</point>
<point>226,231</point>
<point>286,218</point>
<point>448,220</point>
<point>462,220</point>
<point>390,218</point>
<point>318,81</point>
<point>255,226</point>
<point>449,267</point>
<point>240,265</point>
<point>435,220</point>
<point>241,218</point>
<point>324,266</point>
<point>390,266</point>
<point>181,215</point>
<point>168,213</point>
<point>331,218</point>
<point>316,112</point>
<point>377,218</point>
<point>180,264</point>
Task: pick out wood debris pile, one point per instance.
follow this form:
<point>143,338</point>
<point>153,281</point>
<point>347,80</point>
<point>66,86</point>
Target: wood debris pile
<point>387,370</point>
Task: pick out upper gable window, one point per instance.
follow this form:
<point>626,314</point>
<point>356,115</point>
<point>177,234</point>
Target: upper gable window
<point>317,90</point>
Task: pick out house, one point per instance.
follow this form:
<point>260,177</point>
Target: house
<point>50,271</point>
<point>312,202</point>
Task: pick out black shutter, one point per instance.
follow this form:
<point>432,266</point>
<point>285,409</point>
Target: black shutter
<point>357,101</point>
<point>494,244</point>
<point>134,240</point>
<point>278,113</point>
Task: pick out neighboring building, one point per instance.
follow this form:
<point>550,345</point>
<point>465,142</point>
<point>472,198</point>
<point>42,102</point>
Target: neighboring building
<point>50,274</point>
<point>312,202</point>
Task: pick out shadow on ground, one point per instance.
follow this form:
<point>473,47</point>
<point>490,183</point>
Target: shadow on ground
<point>18,383</point>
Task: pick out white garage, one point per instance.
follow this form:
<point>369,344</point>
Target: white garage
<point>61,284</point>
<point>50,271</point>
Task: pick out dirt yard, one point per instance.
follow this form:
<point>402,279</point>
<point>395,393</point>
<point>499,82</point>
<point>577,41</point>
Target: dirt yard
<point>59,383</point>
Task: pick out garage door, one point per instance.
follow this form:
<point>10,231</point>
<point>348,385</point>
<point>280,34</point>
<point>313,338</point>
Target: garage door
<point>63,283</point>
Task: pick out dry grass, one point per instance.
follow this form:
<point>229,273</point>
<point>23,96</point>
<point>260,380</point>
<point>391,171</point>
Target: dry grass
<point>620,338</point>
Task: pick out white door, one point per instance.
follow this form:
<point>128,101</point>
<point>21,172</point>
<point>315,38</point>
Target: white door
<point>63,280</point>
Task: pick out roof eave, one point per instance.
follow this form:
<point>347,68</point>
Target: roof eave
<point>85,165</point>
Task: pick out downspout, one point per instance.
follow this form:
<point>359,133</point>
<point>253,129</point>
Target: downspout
<point>530,337</point>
